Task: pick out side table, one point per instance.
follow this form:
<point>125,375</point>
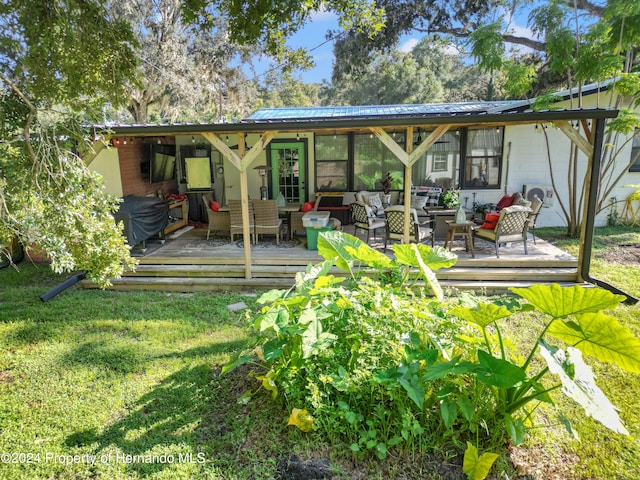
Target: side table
<point>463,230</point>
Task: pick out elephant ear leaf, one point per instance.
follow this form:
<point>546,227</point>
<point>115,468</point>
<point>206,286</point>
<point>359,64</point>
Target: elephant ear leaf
<point>579,384</point>
<point>602,337</point>
<point>435,258</point>
<point>332,245</point>
<point>483,314</point>
<point>477,467</point>
<point>560,302</point>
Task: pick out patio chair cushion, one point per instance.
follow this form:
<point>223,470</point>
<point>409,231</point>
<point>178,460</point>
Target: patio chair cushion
<point>504,202</point>
<point>375,202</point>
<point>418,201</point>
<point>215,206</point>
<point>490,221</point>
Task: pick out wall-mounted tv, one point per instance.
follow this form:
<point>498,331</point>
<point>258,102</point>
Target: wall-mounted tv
<point>163,167</point>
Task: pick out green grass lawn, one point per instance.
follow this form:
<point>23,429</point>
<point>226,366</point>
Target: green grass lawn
<point>129,383</point>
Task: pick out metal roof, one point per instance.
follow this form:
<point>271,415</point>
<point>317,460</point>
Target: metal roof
<point>388,111</point>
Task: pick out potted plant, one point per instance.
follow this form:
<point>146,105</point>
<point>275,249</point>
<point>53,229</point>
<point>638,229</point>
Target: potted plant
<point>387,183</point>
<point>481,209</point>
<point>449,199</point>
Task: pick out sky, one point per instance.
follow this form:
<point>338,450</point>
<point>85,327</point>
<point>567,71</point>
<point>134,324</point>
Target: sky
<point>313,37</point>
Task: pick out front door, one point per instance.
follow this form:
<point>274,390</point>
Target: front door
<point>288,171</point>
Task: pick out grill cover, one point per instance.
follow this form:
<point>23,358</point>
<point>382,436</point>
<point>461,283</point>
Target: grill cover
<point>143,217</point>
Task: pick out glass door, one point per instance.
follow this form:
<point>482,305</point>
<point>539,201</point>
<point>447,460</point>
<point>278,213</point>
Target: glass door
<point>288,171</point>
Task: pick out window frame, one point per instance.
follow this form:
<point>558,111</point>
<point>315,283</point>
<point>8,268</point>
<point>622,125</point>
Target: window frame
<point>462,159</point>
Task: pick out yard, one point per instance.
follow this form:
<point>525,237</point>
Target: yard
<point>114,385</point>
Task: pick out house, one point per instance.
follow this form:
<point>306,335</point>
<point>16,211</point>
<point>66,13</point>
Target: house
<point>485,149</point>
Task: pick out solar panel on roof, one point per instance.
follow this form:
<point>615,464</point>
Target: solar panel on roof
<point>381,110</point>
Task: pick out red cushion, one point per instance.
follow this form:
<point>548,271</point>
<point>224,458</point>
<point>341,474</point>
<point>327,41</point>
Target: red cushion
<point>504,202</point>
<point>492,218</point>
<point>490,221</point>
<point>215,206</point>
<point>307,206</point>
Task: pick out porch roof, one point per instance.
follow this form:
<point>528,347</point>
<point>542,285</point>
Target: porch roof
<point>357,117</point>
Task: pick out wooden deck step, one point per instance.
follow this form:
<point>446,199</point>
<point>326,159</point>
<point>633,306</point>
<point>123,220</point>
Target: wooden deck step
<point>182,284</point>
<point>467,273</point>
<point>230,271</point>
<point>515,274</point>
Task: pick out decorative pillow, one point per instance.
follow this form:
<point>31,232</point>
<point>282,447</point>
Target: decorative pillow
<point>215,206</point>
<point>370,211</point>
<point>490,220</point>
<point>374,200</point>
<point>504,202</point>
<point>418,202</point>
<point>307,207</point>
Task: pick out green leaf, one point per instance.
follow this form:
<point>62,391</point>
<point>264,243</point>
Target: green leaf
<point>414,390</point>
<point>274,319</point>
<point>482,315</point>
<point>235,361</point>
<point>314,339</point>
<point>466,407</point>
<point>602,337</point>
<point>270,296</point>
<point>579,384</point>
<point>381,451</point>
<point>332,245</point>
<point>453,366</point>
<point>569,427</point>
<point>312,272</point>
<point>498,372</point>
<point>368,256</point>
<point>515,429</point>
<point>560,302</point>
<point>449,412</point>
<point>434,258</point>
<point>273,348</point>
<point>477,468</point>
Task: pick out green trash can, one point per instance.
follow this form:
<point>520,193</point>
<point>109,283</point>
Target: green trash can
<point>312,236</point>
<point>315,222</point>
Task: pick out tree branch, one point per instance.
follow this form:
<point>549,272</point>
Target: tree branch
<point>26,131</point>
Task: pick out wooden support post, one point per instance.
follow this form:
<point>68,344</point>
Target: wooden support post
<point>244,200</point>
<point>407,185</point>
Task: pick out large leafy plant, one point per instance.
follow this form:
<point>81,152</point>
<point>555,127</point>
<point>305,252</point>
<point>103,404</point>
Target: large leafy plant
<point>379,359</point>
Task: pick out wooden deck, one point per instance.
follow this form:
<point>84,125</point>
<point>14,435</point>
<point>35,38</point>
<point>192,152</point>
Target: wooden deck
<point>191,263</point>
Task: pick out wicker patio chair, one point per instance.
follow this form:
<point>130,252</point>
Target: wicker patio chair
<point>235,214</point>
<point>296,223</point>
<point>394,227</point>
<point>218,221</point>
<point>267,220</point>
<point>511,227</point>
<point>536,204</point>
<point>364,219</point>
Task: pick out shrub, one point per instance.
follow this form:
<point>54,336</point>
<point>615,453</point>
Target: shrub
<point>379,359</point>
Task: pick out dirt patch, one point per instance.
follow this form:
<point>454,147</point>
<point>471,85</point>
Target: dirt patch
<point>5,377</point>
<point>622,253</point>
<point>535,462</point>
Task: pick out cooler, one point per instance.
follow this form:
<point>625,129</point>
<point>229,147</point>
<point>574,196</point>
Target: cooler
<point>315,222</point>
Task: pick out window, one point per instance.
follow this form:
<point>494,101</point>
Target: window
<point>439,166</point>
<point>467,159</point>
<point>373,160</point>
<point>635,152</point>
<point>440,162</point>
<point>332,159</point>
<point>483,158</point>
